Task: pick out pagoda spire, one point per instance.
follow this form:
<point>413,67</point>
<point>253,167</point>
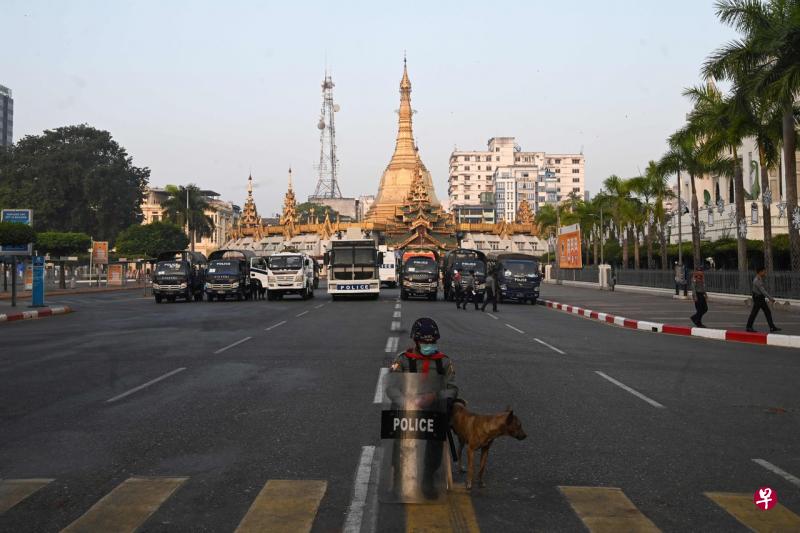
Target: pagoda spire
<point>405,153</point>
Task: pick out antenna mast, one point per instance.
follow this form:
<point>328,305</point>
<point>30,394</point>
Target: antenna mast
<point>327,183</point>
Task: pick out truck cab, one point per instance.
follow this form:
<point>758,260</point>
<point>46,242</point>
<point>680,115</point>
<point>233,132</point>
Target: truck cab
<point>419,274</point>
<point>179,274</point>
<point>463,260</point>
<point>518,277</point>
<point>353,268</point>
<point>258,276</point>
<point>229,275</point>
<point>290,273</point>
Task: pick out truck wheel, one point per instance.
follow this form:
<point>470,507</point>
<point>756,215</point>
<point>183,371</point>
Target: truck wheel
<point>335,297</point>
<point>432,296</point>
<point>403,295</point>
<point>198,296</point>
<point>533,301</point>
<point>158,298</point>
<point>171,299</point>
<point>239,296</point>
<point>188,296</point>
<point>375,296</point>
<point>210,297</point>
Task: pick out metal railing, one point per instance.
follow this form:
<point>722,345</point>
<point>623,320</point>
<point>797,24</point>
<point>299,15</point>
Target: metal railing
<point>780,284</point>
<point>590,274</point>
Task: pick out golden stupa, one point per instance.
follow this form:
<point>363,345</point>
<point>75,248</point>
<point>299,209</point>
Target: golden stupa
<point>404,166</point>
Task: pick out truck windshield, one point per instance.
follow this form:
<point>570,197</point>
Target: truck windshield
<point>170,267</point>
<point>421,264</point>
<point>223,267</point>
<point>520,268</point>
<point>285,262</point>
<point>465,265</point>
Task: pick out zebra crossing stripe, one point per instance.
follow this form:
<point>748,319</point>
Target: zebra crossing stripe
<point>606,510</point>
<point>455,514</point>
<point>284,506</point>
<point>128,506</point>
<point>742,508</point>
<point>13,491</point>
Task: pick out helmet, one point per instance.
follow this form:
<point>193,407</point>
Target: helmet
<point>425,330</point>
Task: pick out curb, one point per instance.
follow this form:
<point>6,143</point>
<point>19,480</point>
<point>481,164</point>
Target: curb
<point>769,339</point>
<point>69,292</point>
<point>33,315</point>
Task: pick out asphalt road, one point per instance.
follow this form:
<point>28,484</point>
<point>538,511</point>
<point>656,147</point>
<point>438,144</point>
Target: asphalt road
<point>184,417</point>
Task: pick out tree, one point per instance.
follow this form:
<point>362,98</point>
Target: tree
<point>148,240</point>
<point>188,203</point>
<point>14,234</point>
<point>767,62</point>
<point>617,190</point>
<point>320,210</point>
<point>61,244</point>
<point>75,178</point>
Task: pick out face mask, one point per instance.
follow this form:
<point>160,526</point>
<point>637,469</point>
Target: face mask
<point>428,349</point>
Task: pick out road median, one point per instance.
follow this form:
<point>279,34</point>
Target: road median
<point>35,314</point>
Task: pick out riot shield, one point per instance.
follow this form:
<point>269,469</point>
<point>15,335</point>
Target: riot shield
<point>414,428</point>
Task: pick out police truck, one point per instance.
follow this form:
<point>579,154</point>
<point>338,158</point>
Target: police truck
<point>353,268</point>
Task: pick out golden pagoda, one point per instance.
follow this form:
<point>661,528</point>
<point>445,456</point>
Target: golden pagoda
<point>404,166</point>
<point>249,224</point>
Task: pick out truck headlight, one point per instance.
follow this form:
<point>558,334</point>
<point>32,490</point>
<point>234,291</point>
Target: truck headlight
<point>234,284</point>
<point>183,285</point>
<point>503,287</point>
<point>207,286</point>
<point>271,279</point>
<point>299,277</point>
<point>156,286</point>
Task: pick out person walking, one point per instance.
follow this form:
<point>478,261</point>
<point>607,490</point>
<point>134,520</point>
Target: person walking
<point>469,290</point>
<point>760,297</point>
<point>458,289</point>
<point>491,292</point>
<point>699,296</point>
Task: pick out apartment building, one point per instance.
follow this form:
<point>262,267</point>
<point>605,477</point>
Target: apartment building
<point>497,179</point>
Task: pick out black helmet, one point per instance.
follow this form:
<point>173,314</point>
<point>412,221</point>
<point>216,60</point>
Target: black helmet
<point>425,330</point>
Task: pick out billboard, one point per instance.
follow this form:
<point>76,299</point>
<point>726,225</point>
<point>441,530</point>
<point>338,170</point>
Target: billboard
<point>100,252</point>
<point>116,274</point>
<point>17,216</point>
<point>569,247</point>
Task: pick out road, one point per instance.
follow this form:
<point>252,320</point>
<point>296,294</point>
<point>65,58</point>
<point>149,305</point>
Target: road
<point>187,416</point>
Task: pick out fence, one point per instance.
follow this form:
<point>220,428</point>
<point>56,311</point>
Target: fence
<point>780,284</point>
<point>589,274</point>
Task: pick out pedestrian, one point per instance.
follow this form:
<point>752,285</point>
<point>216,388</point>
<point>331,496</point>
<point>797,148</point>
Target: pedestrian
<point>424,358</point>
<point>680,278</point>
<point>469,294</point>
<point>760,297</point>
<point>699,296</point>
<point>457,287</point>
<point>491,292</point>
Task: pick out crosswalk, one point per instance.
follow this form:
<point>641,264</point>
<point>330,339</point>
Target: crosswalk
<point>285,505</point>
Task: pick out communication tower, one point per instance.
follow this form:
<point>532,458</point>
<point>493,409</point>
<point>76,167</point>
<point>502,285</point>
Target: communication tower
<point>327,184</point>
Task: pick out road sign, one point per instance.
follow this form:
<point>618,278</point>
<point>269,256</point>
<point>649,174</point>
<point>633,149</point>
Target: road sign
<point>38,282</point>
<point>17,216</point>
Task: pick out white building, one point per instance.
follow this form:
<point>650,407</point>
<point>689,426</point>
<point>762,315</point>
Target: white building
<point>478,178</point>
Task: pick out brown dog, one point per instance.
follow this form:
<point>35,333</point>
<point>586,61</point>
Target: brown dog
<point>479,432</point>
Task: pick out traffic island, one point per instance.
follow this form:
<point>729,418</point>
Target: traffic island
<point>42,312</point>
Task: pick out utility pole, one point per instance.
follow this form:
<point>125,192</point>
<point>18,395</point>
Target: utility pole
<point>680,215</point>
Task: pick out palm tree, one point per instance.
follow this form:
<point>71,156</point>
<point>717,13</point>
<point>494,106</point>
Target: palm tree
<point>767,61</point>
<point>188,204</point>
<point>647,187</point>
<point>618,192</point>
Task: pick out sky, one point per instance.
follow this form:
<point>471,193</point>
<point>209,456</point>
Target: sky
<point>208,92</point>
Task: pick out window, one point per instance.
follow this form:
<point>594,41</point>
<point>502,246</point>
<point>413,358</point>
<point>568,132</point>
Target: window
<point>497,158</point>
<point>524,174</point>
<point>488,158</point>
<point>576,180</point>
<point>155,218</point>
<point>466,197</point>
<point>466,178</point>
<point>558,171</point>
<point>516,159</point>
<point>488,167</point>
<point>466,167</point>
<point>576,171</point>
<point>455,197</point>
<point>466,158</point>
<point>497,149</point>
<point>558,161</point>
<point>479,167</point>
<point>576,189</point>
<point>576,161</point>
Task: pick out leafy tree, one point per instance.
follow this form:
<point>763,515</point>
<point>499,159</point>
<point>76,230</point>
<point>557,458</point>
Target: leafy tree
<point>61,244</point>
<point>147,240</point>
<point>617,190</point>
<point>75,178</point>
<point>304,212</point>
<point>12,233</point>
<point>188,203</point>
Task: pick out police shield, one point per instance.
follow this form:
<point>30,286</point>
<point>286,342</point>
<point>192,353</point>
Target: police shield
<point>414,429</point>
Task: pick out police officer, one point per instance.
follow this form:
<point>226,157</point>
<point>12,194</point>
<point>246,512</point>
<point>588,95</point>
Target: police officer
<point>458,289</point>
<point>424,358</point>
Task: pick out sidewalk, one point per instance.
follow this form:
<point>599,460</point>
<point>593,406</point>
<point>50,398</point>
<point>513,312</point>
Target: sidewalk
<point>665,309</point>
<point>24,297</point>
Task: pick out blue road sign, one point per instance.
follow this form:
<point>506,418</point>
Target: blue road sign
<point>17,216</point>
<point>38,281</point>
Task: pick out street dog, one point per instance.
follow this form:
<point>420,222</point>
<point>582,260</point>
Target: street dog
<point>479,432</point>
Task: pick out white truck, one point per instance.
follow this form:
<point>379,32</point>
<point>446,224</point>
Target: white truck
<point>353,268</point>
<point>388,268</point>
<point>290,273</point>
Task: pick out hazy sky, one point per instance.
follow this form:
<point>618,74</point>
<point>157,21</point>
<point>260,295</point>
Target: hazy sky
<point>206,91</point>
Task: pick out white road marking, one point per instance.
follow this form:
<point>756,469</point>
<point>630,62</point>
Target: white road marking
<point>632,391</point>
<point>775,470</point>
<point>515,329</point>
<point>355,512</point>
<point>145,385</point>
<point>540,341</point>
<point>391,344</point>
<point>396,325</point>
<point>379,387</point>
<point>301,314</point>
<point>491,315</point>
<point>397,305</point>
<point>282,322</point>
<point>396,314</point>
<point>318,306</point>
<point>237,343</point>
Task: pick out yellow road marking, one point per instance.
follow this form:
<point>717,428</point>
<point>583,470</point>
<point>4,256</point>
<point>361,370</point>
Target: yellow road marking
<point>127,506</point>
<point>284,505</point>
<point>741,506</point>
<point>607,509</point>
<point>454,515</point>
<point>13,491</point>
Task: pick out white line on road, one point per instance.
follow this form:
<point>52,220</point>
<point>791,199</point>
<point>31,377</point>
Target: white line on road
<point>775,470</point>
<point>355,512</point>
<point>145,385</point>
<point>237,343</point>
<point>379,387</point>
<point>540,341</point>
<point>396,314</point>
<point>397,305</point>
<point>318,306</point>
<point>301,314</point>
<point>391,344</point>
<point>491,315</point>
<point>515,329</point>
<point>282,322</point>
<point>396,325</point>
<point>632,391</point>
